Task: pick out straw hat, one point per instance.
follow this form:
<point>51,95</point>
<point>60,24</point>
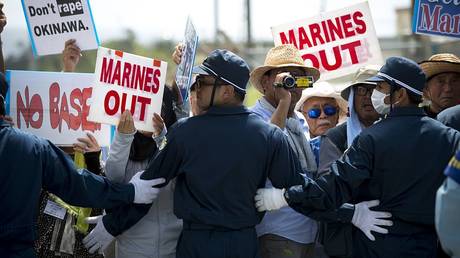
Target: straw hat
<point>360,77</point>
<point>440,63</point>
<point>281,56</point>
<point>323,90</point>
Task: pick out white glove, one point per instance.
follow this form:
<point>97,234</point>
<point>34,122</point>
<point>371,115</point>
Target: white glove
<point>268,199</point>
<point>98,239</point>
<point>144,190</point>
<point>367,220</point>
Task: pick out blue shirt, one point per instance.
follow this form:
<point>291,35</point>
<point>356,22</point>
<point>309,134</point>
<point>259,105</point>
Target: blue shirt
<point>284,222</point>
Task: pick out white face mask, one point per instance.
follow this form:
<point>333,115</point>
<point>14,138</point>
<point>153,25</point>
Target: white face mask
<point>378,102</point>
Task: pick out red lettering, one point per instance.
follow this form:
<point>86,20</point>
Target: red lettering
<point>29,109</point>
<point>126,72</point>
<point>106,71</point>
<point>148,79</point>
<point>54,93</point>
<point>85,124</point>
<point>144,102</point>
<point>315,31</point>
<point>123,102</point>
<point>445,23</point>
<point>133,104</point>
<point>456,24</point>
<point>156,81</point>
<point>324,60</point>
<point>357,19</point>
<point>75,120</point>
<point>351,47</point>
<point>139,78</point>
<point>111,110</point>
<point>64,112</point>
<point>324,26</point>
<point>292,39</point>
<point>335,29</point>
<point>429,20</point>
<point>116,74</point>
<point>303,38</point>
<point>347,25</point>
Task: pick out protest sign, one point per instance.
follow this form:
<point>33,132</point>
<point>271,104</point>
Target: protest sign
<point>52,22</point>
<point>337,42</point>
<point>54,106</point>
<point>437,17</point>
<point>124,81</point>
<point>184,69</point>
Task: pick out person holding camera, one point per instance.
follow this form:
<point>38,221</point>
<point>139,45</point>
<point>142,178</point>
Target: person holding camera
<point>275,79</point>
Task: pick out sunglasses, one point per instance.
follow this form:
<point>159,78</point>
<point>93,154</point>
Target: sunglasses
<point>316,112</point>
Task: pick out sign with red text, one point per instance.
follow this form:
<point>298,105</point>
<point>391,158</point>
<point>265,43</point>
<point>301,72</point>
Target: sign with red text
<point>54,106</point>
<point>437,17</point>
<point>337,42</point>
<point>124,81</point>
<point>52,22</point>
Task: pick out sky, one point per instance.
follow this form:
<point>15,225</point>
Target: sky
<point>165,19</point>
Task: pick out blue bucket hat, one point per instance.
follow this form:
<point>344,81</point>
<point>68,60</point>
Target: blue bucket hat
<point>402,72</point>
<point>226,66</point>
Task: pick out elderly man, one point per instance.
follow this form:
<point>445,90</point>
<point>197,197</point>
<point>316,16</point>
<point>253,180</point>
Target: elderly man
<point>391,161</point>
<point>322,108</point>
<point>442,88</point>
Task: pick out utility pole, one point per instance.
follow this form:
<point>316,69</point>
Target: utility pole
<point>248,24</point>
<point>216,21</point>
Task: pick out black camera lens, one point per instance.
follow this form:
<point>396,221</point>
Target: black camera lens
<point>289,82</point>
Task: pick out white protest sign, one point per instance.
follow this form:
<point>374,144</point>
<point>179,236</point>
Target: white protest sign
<point>337,42</point>
<point>54,106</point>
<point>52,22</point>
<point>124,81</point>
<point>184,69</point>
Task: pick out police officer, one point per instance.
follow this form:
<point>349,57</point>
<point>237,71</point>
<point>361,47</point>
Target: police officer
<point>28,164</point>
<point>219,159</point>
<point>398,161</point>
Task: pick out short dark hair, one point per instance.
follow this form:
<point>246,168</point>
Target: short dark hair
<point>414,98</point>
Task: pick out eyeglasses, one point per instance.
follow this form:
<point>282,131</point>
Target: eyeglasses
<point>316,112</point>
<point>200,82</point>
<point>363,90</point>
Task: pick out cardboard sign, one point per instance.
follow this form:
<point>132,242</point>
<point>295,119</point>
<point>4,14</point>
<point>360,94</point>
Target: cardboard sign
<point>54,106</point>
<point>52,22</point>
<point>437,17</point>
<point>337,42</point>
<point>125,81</point>
<point>184,69</point>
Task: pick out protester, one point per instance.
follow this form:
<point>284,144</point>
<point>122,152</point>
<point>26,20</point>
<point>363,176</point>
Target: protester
<point>295,232</point>
<point>447,209</point>
<point>442,82</point>
<point>322,107</point>
<point>390,161</point>
<point>216,175</point>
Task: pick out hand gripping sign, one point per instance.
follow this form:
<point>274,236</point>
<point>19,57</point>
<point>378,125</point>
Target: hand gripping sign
<point>52,22</point>
<point>54,106</point>
<point>337,42</point>
<point>125,81</point>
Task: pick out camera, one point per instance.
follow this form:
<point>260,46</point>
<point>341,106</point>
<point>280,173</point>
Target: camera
<point>290,82</point>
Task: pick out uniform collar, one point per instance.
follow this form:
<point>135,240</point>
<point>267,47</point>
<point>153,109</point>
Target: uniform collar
<point>407,111</point>
<point>219,110</point>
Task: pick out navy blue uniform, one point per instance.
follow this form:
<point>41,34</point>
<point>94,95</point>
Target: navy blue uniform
<point>28,164</point>
<point>398,161</point>
<point>219,160</point>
